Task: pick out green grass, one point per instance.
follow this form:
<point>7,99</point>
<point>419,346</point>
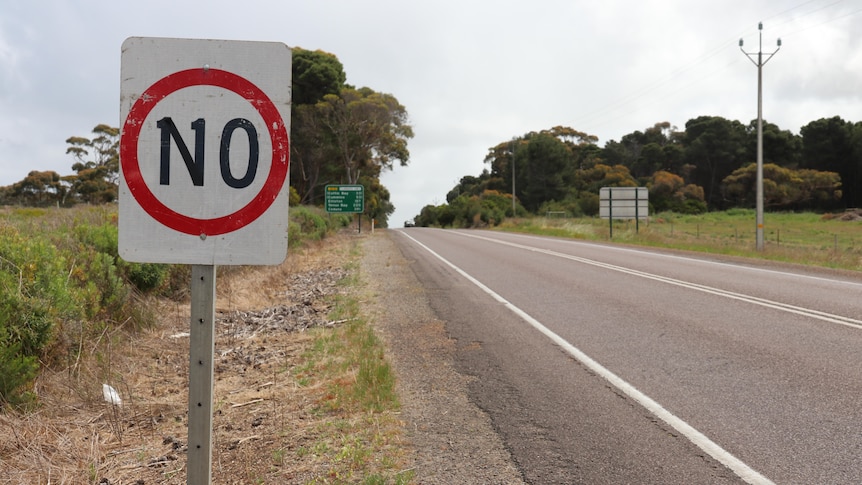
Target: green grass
<point>351,358</point>
<point>803,238</point>
<point>360,436</point>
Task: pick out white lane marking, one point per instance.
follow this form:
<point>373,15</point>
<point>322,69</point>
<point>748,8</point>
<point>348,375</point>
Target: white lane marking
<point>695,260</point>
<point>700,440</point>
<point>806,312</point>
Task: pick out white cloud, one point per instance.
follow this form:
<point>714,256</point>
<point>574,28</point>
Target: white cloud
<point>471,74</point>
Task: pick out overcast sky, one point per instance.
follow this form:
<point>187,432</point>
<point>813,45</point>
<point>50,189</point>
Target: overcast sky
<point>471,74</point>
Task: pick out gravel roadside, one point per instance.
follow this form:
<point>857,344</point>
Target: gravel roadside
<point>452,440</point>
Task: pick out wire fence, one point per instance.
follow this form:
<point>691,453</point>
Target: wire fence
<point>832,243</point>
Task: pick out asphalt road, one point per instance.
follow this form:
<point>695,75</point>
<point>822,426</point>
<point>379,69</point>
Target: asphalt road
<point>607,364</point>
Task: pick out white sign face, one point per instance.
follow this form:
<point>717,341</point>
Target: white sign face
<point>204,151</point>
<point>624,203</point>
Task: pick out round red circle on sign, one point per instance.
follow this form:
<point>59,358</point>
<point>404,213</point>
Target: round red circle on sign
<point>204,77</point>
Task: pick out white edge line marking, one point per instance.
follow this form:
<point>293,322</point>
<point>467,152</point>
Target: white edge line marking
<point>657,252</point>
<point>700,440</point>
<point>806,312</point>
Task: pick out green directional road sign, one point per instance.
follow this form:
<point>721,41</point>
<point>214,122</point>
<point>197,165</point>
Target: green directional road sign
<point>345,198</point>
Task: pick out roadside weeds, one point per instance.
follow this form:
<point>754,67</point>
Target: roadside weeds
<point>313,404</point>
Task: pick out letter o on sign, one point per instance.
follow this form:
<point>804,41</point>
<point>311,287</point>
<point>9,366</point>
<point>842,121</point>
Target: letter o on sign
<point>204,77</point>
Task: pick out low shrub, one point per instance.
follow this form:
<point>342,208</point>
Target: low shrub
<point>147,276</point>
<point>62,281</point>
<point>35,292</point>
<point>16,371</point>
<point>313,224</point>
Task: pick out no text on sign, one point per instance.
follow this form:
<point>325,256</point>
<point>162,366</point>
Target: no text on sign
<point>344,198</point>
<point>624,203</point>
<point>204,151</point>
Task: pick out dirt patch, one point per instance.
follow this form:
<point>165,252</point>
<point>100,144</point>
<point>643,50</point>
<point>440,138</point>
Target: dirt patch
<point>852,215</point>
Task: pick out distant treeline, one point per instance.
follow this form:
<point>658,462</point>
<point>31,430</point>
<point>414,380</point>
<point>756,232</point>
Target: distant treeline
<point>710,165</point>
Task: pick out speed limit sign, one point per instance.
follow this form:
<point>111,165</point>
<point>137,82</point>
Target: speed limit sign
<point>204,151</point>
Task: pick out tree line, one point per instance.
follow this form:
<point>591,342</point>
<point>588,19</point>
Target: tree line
<point>96,166</point>
<point>340,134</point>
<point>709,165</point>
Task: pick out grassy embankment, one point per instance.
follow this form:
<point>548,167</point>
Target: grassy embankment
<point>68,302</point>
<point>812,239</point>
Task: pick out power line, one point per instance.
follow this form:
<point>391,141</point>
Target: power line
<point>611,111</point>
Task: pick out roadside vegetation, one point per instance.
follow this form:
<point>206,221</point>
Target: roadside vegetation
<point>361,434</point>
<point>64,288</point>
<point>75,316</point>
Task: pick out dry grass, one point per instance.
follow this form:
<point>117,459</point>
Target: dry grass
<point>827,240</point>
<point>268,427</point>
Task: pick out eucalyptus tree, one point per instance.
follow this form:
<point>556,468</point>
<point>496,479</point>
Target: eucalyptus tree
<point>780,147</point>
<point>546,162</point>
<point>367,130</point>
<point>835,145</point>
<point>315,75</point>
<point>97,164</point>
<point>784,188</point>
<point>715,147</point>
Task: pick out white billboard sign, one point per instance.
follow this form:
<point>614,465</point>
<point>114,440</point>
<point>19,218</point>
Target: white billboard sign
<point>623,203</point>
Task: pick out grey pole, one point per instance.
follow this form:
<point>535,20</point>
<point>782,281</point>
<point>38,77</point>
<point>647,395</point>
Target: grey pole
<point>760,62</point>
<point>512,144</point>
<point>201,356</point>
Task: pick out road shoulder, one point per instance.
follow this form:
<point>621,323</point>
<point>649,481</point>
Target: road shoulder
<point>451,439</point>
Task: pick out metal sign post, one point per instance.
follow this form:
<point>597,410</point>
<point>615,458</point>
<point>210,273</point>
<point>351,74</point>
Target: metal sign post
<point>204,162</point>
<point>201,356</point>
<point>611,212</point>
